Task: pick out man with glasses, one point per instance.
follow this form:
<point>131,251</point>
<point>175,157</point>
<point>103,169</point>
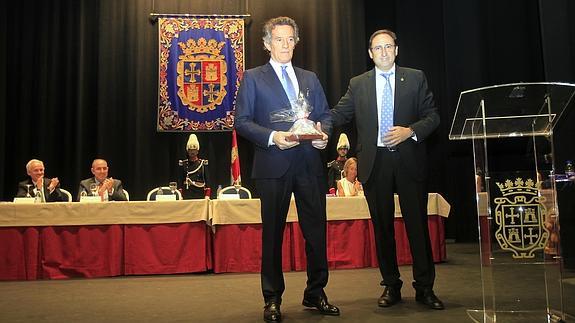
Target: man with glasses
<point>394,112</point>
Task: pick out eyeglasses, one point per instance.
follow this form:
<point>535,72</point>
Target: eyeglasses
<point>386,47</point>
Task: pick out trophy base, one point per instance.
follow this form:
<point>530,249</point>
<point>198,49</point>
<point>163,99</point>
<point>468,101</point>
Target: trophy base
<point>303,137</point>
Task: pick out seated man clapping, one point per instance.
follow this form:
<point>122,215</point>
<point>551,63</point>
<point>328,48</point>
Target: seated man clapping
<point>47,190</point>
<point>108,188</point>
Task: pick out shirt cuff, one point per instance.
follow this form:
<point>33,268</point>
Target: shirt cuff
<point>271,139</point>
<point>413,135</point>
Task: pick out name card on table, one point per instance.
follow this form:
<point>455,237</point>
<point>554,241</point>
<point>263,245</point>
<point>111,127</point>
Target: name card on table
<point>24,200</point>
<point>228,196</point>
<point>90,199</point>
<point>166,197</point>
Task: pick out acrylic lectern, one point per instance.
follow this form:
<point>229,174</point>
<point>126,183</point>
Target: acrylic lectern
<point>521,142</point>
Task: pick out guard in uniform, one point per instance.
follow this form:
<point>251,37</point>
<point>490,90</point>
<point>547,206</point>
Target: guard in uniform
<point>335,167</point>
<point>194,171</point>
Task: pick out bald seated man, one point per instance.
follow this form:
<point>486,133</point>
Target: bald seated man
<point>109,189</point>
<point>49,188</point>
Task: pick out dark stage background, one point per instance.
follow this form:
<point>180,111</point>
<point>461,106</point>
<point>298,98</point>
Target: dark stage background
<point>79,79</point>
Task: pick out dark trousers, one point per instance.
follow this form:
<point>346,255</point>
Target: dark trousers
<point>388,176</point>
<point>275,195</point>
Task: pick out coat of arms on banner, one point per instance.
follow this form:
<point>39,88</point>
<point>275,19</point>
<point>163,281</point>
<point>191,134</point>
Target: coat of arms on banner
<point>201,64</point>
<point>202,74</point>
<point>520,215</point>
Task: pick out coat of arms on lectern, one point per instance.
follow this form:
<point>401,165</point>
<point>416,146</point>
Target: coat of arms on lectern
<point>520,216</point>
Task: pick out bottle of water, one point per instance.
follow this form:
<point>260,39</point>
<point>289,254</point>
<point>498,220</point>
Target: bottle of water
<point>569,168</point>
<point>160,191</point>
<point>218,191</point>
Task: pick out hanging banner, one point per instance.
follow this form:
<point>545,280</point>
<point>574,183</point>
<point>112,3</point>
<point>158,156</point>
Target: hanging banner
<point>201,61</point>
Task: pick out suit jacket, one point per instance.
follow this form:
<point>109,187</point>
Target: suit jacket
<point>55,196</point>
<point>414,107</point>
<point>261,93</point>
<point>118,190</point>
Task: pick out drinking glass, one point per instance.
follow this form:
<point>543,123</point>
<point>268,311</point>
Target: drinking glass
<point>94,189</point>
<point>28,190</point>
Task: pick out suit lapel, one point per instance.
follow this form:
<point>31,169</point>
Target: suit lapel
<point>303,87</point>
<point>372,101</point>
<point>270,77</point>
<point>399,89</point>
<point>91,181</point>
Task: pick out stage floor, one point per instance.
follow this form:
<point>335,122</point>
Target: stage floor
<point>237,297</point>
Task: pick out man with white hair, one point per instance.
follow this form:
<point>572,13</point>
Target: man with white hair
<point>194,172</point>
<point>47,189</point>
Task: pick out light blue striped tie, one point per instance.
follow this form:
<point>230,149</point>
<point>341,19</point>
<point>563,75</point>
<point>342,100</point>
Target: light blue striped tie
<point>287,84</point>
<point>386,119</point>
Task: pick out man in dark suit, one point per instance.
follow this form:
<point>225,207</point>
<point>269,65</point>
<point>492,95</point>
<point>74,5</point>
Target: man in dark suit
<point>282,167</point>
<point>48,190</point>
<point>109,189</point>
<point>395,112</point>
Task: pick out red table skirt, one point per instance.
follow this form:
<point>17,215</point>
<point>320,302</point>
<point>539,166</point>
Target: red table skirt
<point>103,250</point>
<point>350,244</point>
<point>86,251</point>
<point>238,248</point>
<point>167,248</point>
<point>19,258</point>
<point>28,253</point>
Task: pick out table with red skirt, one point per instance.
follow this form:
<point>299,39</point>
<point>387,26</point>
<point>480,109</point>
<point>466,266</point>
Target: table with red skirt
<point>88,240</point>
<point>350,238</point>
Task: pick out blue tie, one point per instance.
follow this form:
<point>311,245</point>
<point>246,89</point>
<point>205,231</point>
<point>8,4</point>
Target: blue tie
<point>287,84</point>
<point>386,120</point>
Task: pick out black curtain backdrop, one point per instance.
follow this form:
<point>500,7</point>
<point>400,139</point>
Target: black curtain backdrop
<point>79,79</point>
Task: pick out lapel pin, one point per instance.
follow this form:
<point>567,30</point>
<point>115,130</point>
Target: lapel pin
<point>402,79</point>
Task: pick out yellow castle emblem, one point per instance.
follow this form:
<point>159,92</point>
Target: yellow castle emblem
<point>519,215</point>
<point>202,76</point>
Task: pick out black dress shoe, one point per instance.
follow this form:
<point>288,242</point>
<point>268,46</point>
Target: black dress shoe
<point>321,304</point>
<point>427,297</point>
<point>272,312</point>
<point>391,296</point>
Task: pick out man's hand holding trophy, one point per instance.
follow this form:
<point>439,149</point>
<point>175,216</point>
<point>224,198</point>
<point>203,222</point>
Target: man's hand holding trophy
<point>302,128</point>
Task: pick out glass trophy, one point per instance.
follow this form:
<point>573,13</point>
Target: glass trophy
<point>298,113</point>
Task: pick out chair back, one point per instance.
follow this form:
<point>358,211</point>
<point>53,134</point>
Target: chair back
<point>68,195</point>
<point>165,190</point>
<point>239,191</point>
<point>126,194</point>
